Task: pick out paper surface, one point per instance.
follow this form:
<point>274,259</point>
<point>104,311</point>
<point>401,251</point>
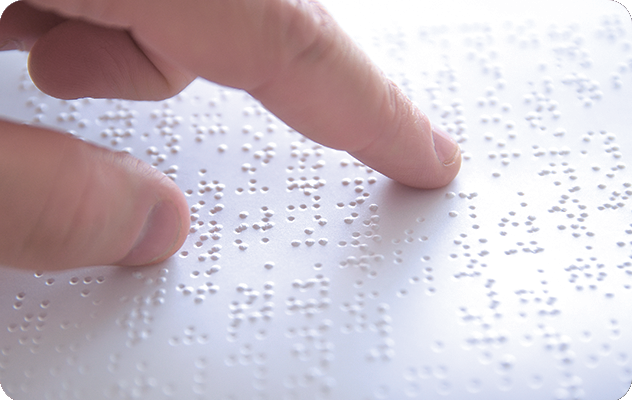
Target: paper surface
<point>308,276</point>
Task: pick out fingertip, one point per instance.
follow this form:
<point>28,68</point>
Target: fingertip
<point>162,234</point>
<point>164,219</point>
<point>66,203</point>
<point>415,152</point>
<point>446,148</point>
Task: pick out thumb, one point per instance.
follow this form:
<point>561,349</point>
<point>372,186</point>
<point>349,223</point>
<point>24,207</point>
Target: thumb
<point>66,203</point>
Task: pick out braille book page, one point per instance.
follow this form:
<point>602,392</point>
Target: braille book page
<point>307,275</point>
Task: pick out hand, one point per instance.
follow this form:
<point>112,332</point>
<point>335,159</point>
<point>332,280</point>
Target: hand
<point>289,54</point>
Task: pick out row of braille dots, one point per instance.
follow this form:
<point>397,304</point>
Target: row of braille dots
<point>212,229</point>
<point>48,281</point>
<point>417,378</point>
<point>141,386</point>
<point>622,68</point>
<point>610,146</point>
<point>571,48</point>
<point>203,383</point>
<point>491,100</point>
<point>247,311</point>
<point>484,56</point>
<point>114,366</point>
<point>472,259</point>
<point>206,120</point>
<point>309,231</point>
<point>381,325</point>
<point>588,90</point>
<point>581,218</point>
<point>215,228</point>
<point>358,239</point>
<point>190,336</point>
<point>627,265</point>
<point>560,345</point>
<point>200,293</point>
<point>271,121</point>
<point>157,157</point>
<point>494,303</point>
<point>491,340</point>
<point>138,319</point>
<point>552,168</point>
<point>452,119</point>
<point>33,322</point>
<point>584,271</point>
<point>313,344</point>
<point>158,278</point>
<point>73,115</point>
<point>39,105</point>
<point>408,238</point>
<point>197,223</point>
<point>359,183</point>
<point>263,156</point>
<point>247,356</point>
<point>321,351</point>
<point>621,359</point>
<point>612,28</point>
<point>613,170</point>
<point>166,124</point>
<point>526,34</point>
<point>546,302</point>
<point>485,318</point>
<point>502,155</point>
<point>357,312</point>
<point>205,186</point>
<point>262,226</point>
<point>303,151</point>
<point>473,262</point>
<point>202,131</point>
<point>541,104</point>
<point>616,196</point>
<point>313,305</point>
<point>252,184</point>
<point>553,151</point>
<point>365,262</point>
<point>120,124</point>
<point>305,185</point>
<point>73,281</point>
<point>529,222</point>
<point>313,382</point>
<point>446,75</point>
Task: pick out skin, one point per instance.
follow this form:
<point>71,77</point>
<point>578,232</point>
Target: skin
<point>289,54</point>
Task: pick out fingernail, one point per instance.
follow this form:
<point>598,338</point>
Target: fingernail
<point>10,44</point>
<point>157,237</point>
<point>446,148</point>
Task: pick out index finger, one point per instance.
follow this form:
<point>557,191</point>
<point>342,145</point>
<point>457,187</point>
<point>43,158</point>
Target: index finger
<point>294,58</point>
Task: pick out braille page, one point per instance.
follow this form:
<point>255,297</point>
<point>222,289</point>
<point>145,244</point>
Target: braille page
<point>307,275</point>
